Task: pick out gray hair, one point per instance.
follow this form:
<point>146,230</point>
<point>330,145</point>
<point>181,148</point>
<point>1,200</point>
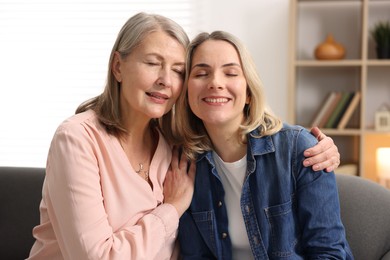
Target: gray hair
<point>129,37</point>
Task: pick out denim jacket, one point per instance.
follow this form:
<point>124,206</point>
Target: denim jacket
<point>290,211</point>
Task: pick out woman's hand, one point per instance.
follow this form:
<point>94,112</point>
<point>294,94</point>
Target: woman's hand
<point>324,155</point>
<point>178,185</point>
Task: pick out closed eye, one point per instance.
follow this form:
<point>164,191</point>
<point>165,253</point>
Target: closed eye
<point>199,73</point>
<point>153,63</point>
<point>178,71</point>
<point>231,72</point>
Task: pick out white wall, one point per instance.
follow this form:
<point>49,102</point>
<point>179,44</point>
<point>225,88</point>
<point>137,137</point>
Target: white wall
<point>34,103</point>
<point>263,25</point>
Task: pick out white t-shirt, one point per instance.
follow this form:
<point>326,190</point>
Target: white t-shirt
<point>232,176</point>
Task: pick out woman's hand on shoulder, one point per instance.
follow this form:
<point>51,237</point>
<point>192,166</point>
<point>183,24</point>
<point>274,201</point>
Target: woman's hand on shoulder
<point>178,185</point>
<point>324,155</point>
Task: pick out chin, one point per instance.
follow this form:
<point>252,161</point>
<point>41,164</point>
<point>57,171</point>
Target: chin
<point>157,114</point>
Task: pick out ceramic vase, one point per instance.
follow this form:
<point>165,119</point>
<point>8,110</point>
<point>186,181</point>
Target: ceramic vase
<point>329,49</point>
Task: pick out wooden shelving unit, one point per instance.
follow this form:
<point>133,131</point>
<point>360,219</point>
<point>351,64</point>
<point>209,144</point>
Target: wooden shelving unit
<point>310,80</point>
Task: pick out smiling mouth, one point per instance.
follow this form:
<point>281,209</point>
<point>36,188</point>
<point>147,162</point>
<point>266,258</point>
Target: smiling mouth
<point>156,96</point>
<point>216,100</point>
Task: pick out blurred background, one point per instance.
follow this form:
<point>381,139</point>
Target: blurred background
<point>54,54</point>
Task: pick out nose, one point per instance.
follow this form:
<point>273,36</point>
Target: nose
<point>164,78</point>
<point>215,83</point>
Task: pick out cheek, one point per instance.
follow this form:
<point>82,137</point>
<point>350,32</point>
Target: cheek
<point>177,88</point>
<point>195,87</point>
<point>192,94</point>
<point>241,88</point>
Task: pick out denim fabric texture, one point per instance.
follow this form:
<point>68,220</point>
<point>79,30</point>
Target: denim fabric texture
<point>290,211</point>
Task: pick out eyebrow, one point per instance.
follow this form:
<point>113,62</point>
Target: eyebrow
<point>204,65</point>
<point>160,57</point>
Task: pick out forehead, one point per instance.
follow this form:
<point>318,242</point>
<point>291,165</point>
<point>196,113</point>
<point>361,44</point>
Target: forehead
<point>160,42</point>
<point>212,51</point>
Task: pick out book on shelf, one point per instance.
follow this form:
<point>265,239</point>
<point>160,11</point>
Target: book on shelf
<point>349,111</point>
<point>322,109</point>
<point>344,109</point>
<point>329,111</point>
<point>339,110</point>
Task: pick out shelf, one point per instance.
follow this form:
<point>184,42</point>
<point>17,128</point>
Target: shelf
<point>328,63</point>
<point>342,63</point>
<point>311,80</point>
<point>375,132</point>
<point>316,19</point>
<point>376,62</point>
<point>331,3</point>
<point>344,132</point>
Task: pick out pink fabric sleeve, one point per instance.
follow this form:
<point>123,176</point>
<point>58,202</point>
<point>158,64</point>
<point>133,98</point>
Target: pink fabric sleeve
<point>76,207</point>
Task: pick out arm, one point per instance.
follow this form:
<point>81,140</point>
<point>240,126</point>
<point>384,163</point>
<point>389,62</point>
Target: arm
<point>324,155</point>
<point>77,209</point>
<point>318,209</point>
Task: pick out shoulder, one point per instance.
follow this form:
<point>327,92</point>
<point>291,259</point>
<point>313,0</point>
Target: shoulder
<point>295,134</point>
<point>304,139</point>
<point>82,125</point>
<point>289,137</point>
<point>292,128</point>
<point>79,121</point>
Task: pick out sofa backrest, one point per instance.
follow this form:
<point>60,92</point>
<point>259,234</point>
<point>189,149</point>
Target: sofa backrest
<point>365,212</point>
<point>20,196</point>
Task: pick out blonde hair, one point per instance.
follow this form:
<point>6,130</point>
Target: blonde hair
<point>257,114</point>
<point>106,105</point>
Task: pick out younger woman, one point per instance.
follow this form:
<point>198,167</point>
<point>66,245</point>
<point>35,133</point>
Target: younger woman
<point>253,197</point>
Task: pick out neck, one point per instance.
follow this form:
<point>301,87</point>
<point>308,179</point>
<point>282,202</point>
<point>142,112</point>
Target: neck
<point>138,137</point>
<point>139,140</point>
<point>139,147</point>
<point>227,144</point>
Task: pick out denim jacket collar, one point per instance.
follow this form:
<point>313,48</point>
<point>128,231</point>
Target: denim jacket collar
<point>256,146</point>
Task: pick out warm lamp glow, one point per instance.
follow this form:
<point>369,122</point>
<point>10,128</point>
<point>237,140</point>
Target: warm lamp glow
<point>383,164</point>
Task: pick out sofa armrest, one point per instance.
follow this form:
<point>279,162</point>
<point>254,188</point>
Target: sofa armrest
<point>365,212</point>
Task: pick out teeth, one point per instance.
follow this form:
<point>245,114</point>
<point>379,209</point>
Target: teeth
<point>216,100</point>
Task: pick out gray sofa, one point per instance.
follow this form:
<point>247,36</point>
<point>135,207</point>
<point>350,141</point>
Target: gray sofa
<point>20,195</point>
<point>365,211</point>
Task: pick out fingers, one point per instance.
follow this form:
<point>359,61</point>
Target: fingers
<point>175,157</point>
<point>183,162</point>
<point>329,160</point>
<point>319,163</point>
<point>176,163</point>
<point>178,185</point>
<point>192,171</point>
<point>336,162</point>
<point>317,133</point>
<point>325,143</point>
<point>324,155</point>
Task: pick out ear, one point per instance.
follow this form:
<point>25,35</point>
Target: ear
<point>116,66</point>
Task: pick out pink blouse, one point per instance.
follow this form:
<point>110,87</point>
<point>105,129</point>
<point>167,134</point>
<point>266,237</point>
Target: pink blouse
<point>95,206</point>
